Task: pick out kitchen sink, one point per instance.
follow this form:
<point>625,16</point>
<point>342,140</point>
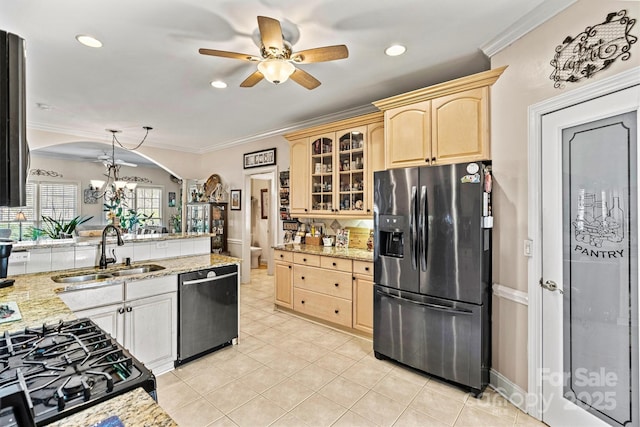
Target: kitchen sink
<point>138,270</point>
<point>81,278</point>
<point>89,277</point>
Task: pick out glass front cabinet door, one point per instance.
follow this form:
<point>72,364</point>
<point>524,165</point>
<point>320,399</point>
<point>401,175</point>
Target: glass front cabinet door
<point>338,172</point>
<point>209,218</point>
<point>322,167</point>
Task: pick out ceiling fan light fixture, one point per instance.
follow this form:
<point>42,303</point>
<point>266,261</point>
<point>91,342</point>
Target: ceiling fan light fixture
<point>276,70</point>
<point>395,50</point>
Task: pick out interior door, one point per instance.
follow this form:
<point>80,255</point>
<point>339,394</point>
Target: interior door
<point>590,262</point>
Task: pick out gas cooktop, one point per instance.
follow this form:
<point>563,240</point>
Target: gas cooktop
<point>53,371</point>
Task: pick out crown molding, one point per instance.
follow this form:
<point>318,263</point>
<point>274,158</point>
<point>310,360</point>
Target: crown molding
<point>100,136</point>
<point>485,78</point>
<point>527,23</point>
<point>328,118</point>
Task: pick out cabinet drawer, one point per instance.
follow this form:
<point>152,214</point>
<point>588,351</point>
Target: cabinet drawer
<point>306,259</point>
<point>336,310</point>
<point>283,256</point>
<point>334,283</point>
<point>363,267</point>
<point>340,264</point>
<point>93,297</point>
<point>150,287</point>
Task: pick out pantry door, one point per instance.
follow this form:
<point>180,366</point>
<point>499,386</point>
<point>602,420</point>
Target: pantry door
<point>590,262</point>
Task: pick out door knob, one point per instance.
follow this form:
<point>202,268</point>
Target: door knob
<point>550,285</point>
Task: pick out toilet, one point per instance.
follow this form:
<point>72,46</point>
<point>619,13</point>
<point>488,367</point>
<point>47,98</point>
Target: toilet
<point>255,256</point>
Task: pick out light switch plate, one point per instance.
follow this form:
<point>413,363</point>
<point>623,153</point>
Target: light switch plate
<point>528,247</point>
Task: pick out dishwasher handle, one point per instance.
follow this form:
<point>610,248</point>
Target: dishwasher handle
<point>208,279</point>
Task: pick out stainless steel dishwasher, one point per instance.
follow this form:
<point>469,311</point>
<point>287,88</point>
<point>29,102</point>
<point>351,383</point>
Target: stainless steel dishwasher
<point>208,311</point>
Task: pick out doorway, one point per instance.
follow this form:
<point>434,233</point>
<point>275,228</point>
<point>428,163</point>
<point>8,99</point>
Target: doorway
<point>260,219</point>
<point>583,277</point>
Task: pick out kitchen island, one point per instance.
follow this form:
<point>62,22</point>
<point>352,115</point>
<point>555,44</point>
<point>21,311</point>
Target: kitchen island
<point>39,303</point>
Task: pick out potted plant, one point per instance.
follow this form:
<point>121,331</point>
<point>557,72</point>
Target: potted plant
<point>58,228</point>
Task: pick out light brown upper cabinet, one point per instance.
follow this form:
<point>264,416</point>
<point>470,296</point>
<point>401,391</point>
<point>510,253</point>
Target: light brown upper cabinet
<point>332,165</point>
<point>298,176</point>
<point>440,124</point>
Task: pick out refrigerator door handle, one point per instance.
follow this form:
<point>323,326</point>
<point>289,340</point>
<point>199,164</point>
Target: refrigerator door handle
<point>428,305</point>
<point>414,234</point>
<point>422,221</point>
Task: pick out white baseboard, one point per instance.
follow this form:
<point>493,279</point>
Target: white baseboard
<point>507,389</point>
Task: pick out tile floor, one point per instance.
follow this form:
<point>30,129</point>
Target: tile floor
<point>286,371</point>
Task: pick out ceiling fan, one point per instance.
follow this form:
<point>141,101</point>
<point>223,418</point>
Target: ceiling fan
<point>277,61</point>
<point>108,160</point>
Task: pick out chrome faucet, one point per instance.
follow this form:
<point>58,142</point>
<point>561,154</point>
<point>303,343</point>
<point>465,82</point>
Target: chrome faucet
<point>104,261</point>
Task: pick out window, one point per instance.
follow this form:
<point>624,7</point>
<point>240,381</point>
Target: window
<point>58,200</point>
<point>149,202</point>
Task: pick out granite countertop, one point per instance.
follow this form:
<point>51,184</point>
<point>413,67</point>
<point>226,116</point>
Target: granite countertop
<point>36,295</point>
<point>135,408</point>
<point>348,253</point>
<point>25,245</point>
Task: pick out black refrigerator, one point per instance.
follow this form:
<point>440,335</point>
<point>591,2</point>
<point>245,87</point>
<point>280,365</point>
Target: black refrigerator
<point>432,270</point>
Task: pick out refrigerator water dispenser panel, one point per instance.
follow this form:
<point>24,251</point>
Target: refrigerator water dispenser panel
<point>391,236</point>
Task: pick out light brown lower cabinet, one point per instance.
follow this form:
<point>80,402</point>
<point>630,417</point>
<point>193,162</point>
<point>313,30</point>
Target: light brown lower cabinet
<point>325,307</point>
<point>283,292</point>
<point>335,290</point>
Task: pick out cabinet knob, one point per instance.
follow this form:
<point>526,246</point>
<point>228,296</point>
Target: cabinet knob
<point>337,311</point>
<point>289,267</point>
<point>129,309</point>
<point>302,277</point>
<point>306,210</point>
<point>433,160</point>
<point>302,301</point>
<point>353,277</point>
<point>333,263</point>
<point>426,160</point>
<point>366,269</point>
<point>121,310</point>
<point>337,284</point>
<point>304,259</point>
<point>281,255</point>
<point>368,210</point>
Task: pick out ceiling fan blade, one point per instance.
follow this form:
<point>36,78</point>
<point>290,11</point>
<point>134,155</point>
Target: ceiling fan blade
<point>304,79</point>
<point>123,163</point>
<point>252,80</point>
<point>226,54</point>
<point>321,54</point>
<point>271,33</point>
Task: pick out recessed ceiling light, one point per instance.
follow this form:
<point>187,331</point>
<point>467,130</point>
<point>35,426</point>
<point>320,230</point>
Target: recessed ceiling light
<point>88,40</point>
<point>218,84</point>
<point>395,50</point>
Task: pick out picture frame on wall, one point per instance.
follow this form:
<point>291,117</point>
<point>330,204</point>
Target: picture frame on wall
<point>235,197</point>
<point>172,199</point>
<point>264,203</point>
<point>260,158</point>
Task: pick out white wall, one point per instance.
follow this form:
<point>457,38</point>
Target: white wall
<point>228,163</point>
<point>525,82</point>
<point>83,172</point>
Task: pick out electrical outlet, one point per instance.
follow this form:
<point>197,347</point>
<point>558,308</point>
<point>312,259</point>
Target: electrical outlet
<point>528,247</point>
